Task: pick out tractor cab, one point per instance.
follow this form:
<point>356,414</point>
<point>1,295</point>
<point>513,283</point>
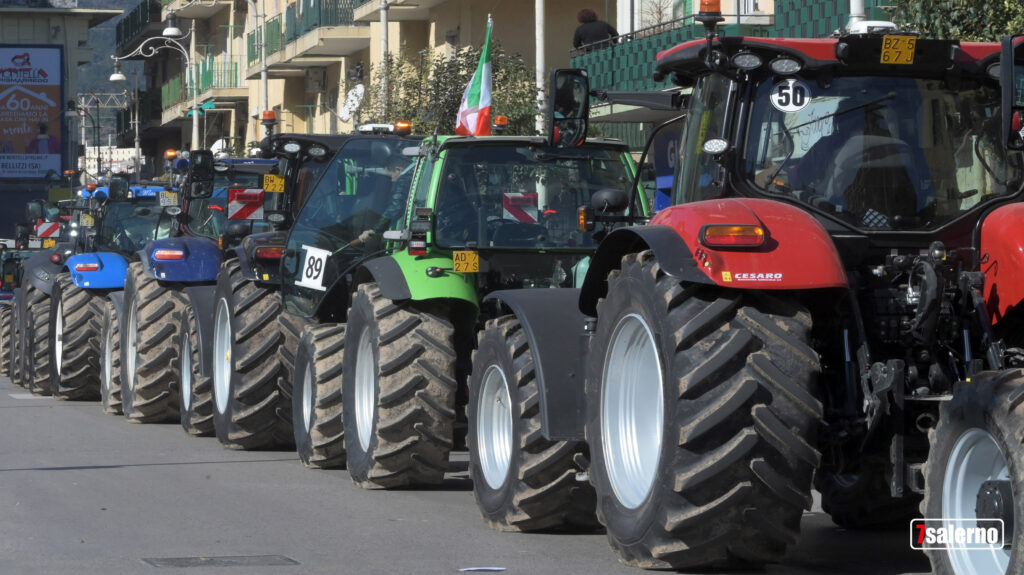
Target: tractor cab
<point>218,191</point>
<point>873,133</point>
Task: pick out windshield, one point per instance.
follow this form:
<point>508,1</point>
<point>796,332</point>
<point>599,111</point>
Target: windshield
<point>522,195</point>
<point>127,226</point>
<point>880,153</point>
<point>208,216</point>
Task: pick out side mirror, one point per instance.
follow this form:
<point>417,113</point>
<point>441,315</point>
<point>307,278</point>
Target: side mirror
<point>608,200</point>
<point>1011,76</point>
<point>568,108</point>
<point>201,166</point>
<point>33,212</point>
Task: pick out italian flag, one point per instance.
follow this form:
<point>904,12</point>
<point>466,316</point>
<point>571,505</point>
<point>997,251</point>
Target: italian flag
<point>475,109</point>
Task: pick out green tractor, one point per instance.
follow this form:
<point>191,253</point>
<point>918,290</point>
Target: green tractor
<point>380,380</point>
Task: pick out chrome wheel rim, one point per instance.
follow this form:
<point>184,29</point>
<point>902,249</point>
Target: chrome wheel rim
<point>307,398</point>
<point>222,356</point>
<point>366,389</point>
<point>132,335</point>
<point>58,337</point>
<point>975,459</point>
<point>108,360</point>
<point>494,427</point>
<point>632,411</point>
<point>186,373</point>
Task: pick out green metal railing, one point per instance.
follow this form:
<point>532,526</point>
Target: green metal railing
<point>133,23</point>
<point>274,35</point>
<point>173,92</point>
<point>306,15</point>
<point>219,73</point>
<point>291,24</point>
<point>252,44</point>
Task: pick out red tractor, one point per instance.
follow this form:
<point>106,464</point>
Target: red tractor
<point>835,295</point>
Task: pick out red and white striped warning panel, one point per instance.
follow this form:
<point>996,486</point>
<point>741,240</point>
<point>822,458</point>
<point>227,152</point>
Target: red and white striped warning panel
<point>48,229</point>
<point>521,207</point>
<point>245,204</point>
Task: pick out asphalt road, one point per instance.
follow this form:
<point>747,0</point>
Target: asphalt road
<point>82,492</point>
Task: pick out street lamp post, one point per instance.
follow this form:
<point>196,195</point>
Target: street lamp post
<point>170,40</point>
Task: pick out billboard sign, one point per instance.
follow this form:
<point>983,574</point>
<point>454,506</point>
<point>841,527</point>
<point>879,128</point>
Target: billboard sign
<point>31,84</point>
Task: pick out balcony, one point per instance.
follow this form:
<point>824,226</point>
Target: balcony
<point>220,79</point>
<point>315,33</point>
<point>141,23</point>
<point>318,31</point>
<point>398,10</point>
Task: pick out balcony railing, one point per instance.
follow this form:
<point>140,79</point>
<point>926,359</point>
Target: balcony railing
<point>274,36</point>
<point>172,92</point>
<point>306,15</point>
<point>627,61</point>
<point>252,44</point>
<point>219,73</point>
<point>134,22</point>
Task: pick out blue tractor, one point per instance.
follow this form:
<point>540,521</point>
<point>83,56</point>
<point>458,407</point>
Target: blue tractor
<point>120,219</point>
<point>171,276</point>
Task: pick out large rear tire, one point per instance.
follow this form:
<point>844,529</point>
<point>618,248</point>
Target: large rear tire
<point>701,418</point>
<point>6,328</point>
<point>978,441</point>
<point>316,397</point>
<point>110,361</point>
<point>196,407</point>
<point>250,410</point>
<point>150,348</point>
<point>36,370</point>
<point>399,388</point>
<point>522,481</point>
<point>74,341</point>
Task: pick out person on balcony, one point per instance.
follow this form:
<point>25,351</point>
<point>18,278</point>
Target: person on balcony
<point>592,33</point>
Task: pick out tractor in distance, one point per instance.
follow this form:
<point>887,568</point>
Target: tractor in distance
<point>835,293</point>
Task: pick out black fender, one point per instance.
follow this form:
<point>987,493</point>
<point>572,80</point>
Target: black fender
<point>144,259</point>
<point>262,271</point>
<point>40,271</point>
<point>201,298</point>
<point>388,275</point>
<point>243,253</point>
<point>674,257</point>
<point>554,328</point>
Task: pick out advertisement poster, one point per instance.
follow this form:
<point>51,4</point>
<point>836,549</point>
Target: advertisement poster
<point>30,111</point>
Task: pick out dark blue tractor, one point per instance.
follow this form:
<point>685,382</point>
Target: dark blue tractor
<point>174,276</point>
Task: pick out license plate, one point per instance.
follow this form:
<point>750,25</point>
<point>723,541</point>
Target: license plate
<point>168,198</point>
<point>898,49</point>
<point>467,262</point>
<point>47,243</point>
<point>273,183</point>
